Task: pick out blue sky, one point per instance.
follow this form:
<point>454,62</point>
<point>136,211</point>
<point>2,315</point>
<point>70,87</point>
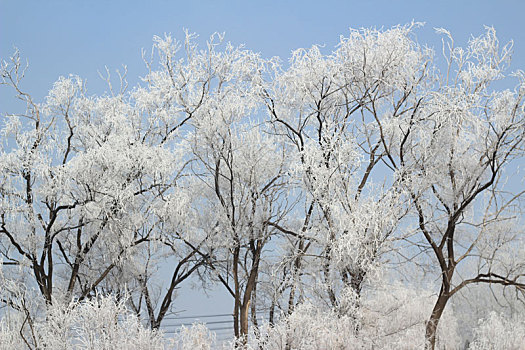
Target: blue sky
<point>81,37</point>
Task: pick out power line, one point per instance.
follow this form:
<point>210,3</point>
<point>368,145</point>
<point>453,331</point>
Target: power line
<point>189,324</point>
<point>219,329</point>
<point>201,316</point>
<point>210,329</point>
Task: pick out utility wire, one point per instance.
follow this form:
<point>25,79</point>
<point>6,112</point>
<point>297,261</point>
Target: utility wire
<point>189,324</point>
<point>211,329</point>
<point>201,316</point>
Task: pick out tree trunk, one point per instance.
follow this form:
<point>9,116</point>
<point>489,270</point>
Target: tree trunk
<point>253,307</point>
<point>245,308</point>
<point>432,323</point>
<point>237,306</point>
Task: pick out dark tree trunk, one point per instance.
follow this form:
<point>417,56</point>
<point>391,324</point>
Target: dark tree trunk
<point>432,323</point>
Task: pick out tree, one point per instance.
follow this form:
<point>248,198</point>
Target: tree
<point>84,182</point>
<point>338,114</point>
<point>242,184</point>
<point>453,165</point>
<point>77,186</point>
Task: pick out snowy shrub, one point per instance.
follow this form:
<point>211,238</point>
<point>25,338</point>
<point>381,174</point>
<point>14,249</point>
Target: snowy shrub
<point>498,332</point>
<point>308,328</point>
<point>196,337</point>
<point>97,324</point>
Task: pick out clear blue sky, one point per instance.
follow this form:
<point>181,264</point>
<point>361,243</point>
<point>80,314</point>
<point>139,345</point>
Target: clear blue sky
<point>81,37</point>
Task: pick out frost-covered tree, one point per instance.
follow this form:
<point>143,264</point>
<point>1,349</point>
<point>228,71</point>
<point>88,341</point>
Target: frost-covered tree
<point>306,189</point>
<point>457,165</point>
<point>87,184</point>
<point>240,177</point>
<point>78,186</point>
<point>339,115</point>
<point>447,139</point>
